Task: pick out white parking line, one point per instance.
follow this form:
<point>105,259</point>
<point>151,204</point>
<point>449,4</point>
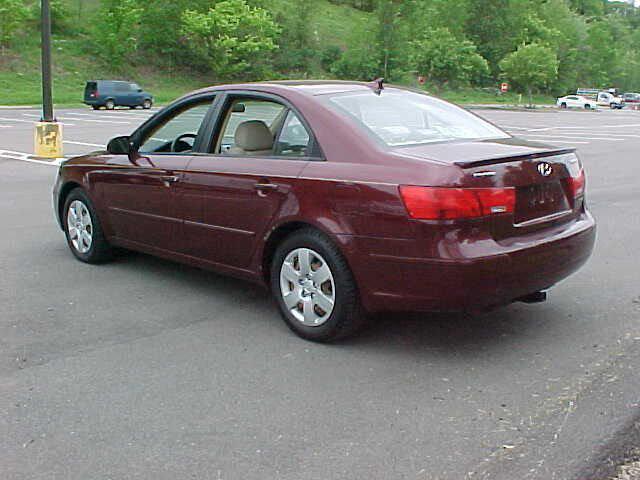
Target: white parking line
<point>31,121</point>
<point>582,128</point>
<point>568,142</point>
<point>81,119</point>
<point>25,157</point>
<point>71,142</point>
<point>604,139</point>
<point>600,134</point>
<point>100,117</point>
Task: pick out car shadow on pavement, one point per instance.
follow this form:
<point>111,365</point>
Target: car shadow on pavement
<point>451,333</point>
<point>465,334</point>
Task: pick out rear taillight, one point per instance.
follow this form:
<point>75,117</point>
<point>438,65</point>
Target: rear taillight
<point>443,203</point>
<point>576,184</point>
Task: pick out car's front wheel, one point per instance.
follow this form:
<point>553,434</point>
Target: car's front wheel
<point>587,107</point>
<point>147,104</point>
<point>563,105</point>
<point>314,288</point>
<point>83,230</point>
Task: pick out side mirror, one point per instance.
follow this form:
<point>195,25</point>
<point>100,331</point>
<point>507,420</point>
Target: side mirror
<point>119,145</point>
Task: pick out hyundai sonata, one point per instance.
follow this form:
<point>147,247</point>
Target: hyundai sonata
<point>343,198</point>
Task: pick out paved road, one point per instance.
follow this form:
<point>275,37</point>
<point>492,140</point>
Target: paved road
<point>146,369</point>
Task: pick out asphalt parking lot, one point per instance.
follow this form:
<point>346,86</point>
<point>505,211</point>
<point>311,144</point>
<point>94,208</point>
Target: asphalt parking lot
<point>146,369</point>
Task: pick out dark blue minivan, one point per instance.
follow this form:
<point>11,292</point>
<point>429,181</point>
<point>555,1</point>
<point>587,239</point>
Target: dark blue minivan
<point>112,93</point>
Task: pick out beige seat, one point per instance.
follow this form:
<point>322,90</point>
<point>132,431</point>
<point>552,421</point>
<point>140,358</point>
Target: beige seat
<point>252,137</point>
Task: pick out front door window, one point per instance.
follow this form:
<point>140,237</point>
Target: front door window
<point>179,133</point>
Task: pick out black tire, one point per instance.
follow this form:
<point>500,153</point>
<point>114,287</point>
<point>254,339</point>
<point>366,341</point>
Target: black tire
<point>147,104</point>
<point>100,251</point>
<point>109,104</point>
<point>95,107</point>
<point>347,315</point>
<point>587,106</point>
<point>563,105</point>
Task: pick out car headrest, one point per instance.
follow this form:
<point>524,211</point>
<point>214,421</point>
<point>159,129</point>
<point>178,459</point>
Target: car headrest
<point>253,135</point>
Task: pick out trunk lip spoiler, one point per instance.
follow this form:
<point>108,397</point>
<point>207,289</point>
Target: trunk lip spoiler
<point>508,158</point>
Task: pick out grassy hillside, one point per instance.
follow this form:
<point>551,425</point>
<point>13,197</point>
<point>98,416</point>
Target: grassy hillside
<point>20,77</point>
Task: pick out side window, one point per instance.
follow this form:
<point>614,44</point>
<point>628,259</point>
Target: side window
<point>249,127</point>
<point>121,87</point>
<point>294,139</point>
<point>178,133</point>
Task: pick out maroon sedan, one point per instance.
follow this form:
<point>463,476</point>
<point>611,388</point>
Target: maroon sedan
<point>343,198</point>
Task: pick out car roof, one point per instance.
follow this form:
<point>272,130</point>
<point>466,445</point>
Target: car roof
<point>109,81</point>
<point>308,87</point>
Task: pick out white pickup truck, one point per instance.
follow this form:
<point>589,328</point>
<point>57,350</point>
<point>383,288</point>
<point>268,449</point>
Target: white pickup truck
<point>607,99</point>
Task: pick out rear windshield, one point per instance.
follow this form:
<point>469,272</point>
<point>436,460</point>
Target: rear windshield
<point>400,118</point>
<point>91,87</point>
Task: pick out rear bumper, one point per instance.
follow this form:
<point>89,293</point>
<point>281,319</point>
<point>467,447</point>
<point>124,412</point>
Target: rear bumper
<point>472,279</point>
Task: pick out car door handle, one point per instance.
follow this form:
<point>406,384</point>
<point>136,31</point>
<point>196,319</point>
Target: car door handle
<point>170,178</point>
<point>266,186</point>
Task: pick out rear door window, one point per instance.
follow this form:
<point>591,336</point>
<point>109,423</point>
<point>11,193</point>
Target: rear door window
<point>294,139</point>
<point>250,126</point>
<point>90,88</point>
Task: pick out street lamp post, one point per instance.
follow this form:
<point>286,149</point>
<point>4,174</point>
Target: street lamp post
<point>47,101</point>
<point>48,132</point>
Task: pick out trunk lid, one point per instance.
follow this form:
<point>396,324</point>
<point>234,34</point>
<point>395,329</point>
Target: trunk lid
<point>478,153</point>
<point>540,174</point>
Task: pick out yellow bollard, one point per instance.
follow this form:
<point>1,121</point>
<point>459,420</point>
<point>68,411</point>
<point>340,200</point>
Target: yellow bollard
<point>48,140</point>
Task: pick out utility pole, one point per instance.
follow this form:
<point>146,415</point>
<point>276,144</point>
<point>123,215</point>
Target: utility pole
<point>47,101</point>
<point>48,132</point>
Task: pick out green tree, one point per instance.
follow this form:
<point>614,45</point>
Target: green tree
<point>590,8</point>
<point>235,39</point>
<point>495,26</point>
<point>443,58</point>
<point>298,49</point>
<point>362,58</point>
<point>532,66</point>
<point>117,30</point>
<point>158,39</point>
<point>13,13</point>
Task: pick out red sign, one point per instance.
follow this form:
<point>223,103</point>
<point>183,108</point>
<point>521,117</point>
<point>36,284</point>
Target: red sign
<point>504,87</point>
<point>421,80</point>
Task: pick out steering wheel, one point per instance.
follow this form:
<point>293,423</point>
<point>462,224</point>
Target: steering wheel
<point>179,138</point>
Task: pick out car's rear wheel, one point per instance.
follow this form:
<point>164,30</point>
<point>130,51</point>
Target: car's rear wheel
<point>83,230</point>
<point>147,104</point>
<point>314,288</point>
<point>110,105</point>
<point>587,107</point>
<point>95,107</point>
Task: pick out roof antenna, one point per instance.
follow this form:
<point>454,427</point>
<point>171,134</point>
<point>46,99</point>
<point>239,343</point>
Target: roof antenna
<point>377,85</point>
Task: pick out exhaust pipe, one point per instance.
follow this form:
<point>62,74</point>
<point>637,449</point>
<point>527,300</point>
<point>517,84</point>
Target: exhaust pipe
<point>536,297</point>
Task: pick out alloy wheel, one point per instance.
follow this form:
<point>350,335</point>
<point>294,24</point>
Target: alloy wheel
<point>307,287</point>
<point>80,226</point>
